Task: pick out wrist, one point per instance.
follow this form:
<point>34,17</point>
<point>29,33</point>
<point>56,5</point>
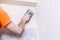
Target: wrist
<point>22,22</point>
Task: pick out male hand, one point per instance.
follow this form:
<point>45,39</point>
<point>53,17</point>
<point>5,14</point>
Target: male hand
<point>25,18</point>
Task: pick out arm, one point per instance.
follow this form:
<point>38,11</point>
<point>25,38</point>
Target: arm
<point>20,27</point>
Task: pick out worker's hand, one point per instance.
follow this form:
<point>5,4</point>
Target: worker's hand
<point>26,17</point>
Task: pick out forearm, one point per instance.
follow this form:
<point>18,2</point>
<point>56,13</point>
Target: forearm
<point>21,26</point>
<point>16,28</point>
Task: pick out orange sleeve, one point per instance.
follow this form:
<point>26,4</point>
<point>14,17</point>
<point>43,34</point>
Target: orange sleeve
<point>4,18</point>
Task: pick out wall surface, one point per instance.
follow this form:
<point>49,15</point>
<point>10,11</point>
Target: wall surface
<point>16,12</point>
<point>49,19</point>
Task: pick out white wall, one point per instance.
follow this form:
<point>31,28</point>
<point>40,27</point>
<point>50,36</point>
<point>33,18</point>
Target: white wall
<point>27,0</point>
<point>49,19</point>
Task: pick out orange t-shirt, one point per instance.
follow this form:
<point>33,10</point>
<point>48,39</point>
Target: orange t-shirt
<point>4,18</point>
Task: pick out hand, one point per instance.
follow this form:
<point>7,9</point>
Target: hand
<point>26,17</point>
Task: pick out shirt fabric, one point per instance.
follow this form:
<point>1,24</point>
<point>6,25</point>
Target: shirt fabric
<point>4,18</point>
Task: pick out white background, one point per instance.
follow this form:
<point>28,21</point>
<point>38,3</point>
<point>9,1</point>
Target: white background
<point>49,19</point>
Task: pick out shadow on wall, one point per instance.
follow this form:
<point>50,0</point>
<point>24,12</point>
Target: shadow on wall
<point>27,35</point>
